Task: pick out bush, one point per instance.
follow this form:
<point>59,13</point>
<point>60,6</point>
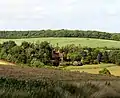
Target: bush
<point>85,61</point>
<point>55,63</point>
<point>36,63</point>
<point>66,63</point>
<point>105,71</point>
<point>95,62</point>
<point>76,63</point>
<point>9,57</point>
<point>76,56</point>
<point>118,61</point>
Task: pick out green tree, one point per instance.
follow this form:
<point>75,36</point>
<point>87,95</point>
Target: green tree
<point>118,58</point>
<point>8,45</point>
<point>44,52</point>
<point>25,45</point>
<point>105,57</point>
<point>112,56</point>
<point>18,54</point>
<point>74,56</point>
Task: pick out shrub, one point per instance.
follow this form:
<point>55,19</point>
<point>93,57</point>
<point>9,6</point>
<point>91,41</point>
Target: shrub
<point>85,61</point>
<point>75,63</point>
<point>66,63</point>
<point>105,71</point>
<point>118,61</point>
<point>95,62</point>
<point>36,63</point>
<point>55,63</point>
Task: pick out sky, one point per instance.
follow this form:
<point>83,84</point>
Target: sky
<point>101,15</point>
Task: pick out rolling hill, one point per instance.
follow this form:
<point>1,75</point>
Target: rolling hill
<point>65,41</point>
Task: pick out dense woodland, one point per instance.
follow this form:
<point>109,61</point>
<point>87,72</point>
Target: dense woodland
<point>60,33</point>
<point>40,54</point>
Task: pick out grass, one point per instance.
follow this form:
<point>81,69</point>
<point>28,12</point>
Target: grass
<point>18,82</point>
<point>65,41</point>
<point>94,69</point>
<point>15,84</point>
<point>14,88</point>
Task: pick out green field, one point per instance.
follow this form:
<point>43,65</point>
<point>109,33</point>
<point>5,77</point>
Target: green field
<point>94,69</point>
<point>65,41</point>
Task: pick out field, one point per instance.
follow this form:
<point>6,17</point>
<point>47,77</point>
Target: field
<point>70,82</point>
<point>65,41</point>
<point>94,69</point>
<point>47,73</point>
<point>63,81</point>
<point>19,82</point>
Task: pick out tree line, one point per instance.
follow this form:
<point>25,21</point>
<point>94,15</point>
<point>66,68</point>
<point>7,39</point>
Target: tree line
<point>60,33</point>
<point>40,54</point>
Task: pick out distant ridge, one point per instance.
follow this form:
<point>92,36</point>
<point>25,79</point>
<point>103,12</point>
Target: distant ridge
<point>59,33</point>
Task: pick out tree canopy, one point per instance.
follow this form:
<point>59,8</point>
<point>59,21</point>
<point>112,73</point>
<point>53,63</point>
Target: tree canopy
<point>60,33</point>
<point>38,54</point>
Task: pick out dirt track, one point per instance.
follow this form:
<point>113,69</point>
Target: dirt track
<point>47,73</point>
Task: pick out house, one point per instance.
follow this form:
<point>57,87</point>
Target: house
<point>56,57</point>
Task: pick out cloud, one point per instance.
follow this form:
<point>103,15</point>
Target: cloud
<point>20,10</point>
<point>73,14</point>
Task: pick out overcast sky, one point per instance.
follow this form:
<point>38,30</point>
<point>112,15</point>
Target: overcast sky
<point>103,15</point>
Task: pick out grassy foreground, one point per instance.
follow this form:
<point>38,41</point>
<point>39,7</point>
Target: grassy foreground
<point>65,41</point>
<point>19,82</point>
<point>13,88</point>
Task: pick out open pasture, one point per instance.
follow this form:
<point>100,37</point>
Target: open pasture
<point>65,41</point>
<point>94,69</point>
